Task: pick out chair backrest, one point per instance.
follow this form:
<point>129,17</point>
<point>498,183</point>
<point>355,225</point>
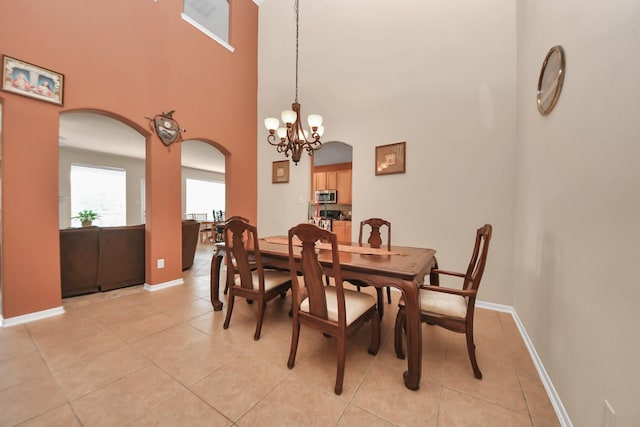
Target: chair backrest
<point>219,215</point>
<point>375,239</point>
<point>199,216</point>
<point>312,271</point>
<point>240,237</point>
<point>478,258</point>
<point>241,218</point>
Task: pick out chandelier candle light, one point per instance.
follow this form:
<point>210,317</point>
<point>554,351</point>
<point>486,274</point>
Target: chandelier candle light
<point>293,138</point>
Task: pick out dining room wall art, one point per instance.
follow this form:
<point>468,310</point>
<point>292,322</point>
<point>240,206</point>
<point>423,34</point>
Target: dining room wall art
<point>390,158</point>
<point>280,172</point>
<point>29,80</point>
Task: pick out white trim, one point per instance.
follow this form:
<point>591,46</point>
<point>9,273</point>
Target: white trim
<point>208,33</point>
<point>165,285</point>
<point>561,413</point>
<point>30,317</point>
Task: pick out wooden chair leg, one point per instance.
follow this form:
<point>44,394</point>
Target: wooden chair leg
<point>374,345</point>
<point>380,299</point>
<point>295,336</point>
<point>398,334</point>
<point>341,362</point>
<point>261,309</point>
<point>229,310</point>
<point>471,349</point>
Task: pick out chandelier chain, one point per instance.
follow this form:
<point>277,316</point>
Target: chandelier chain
<point>293,139</point>
<point>297,10</point>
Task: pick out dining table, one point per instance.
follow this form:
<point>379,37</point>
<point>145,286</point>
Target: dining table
<point>401,267</point>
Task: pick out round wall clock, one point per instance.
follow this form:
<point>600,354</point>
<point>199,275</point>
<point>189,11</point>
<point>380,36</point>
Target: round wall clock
<point>550,81</point>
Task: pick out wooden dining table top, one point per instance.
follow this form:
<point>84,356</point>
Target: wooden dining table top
<point>401,262</point>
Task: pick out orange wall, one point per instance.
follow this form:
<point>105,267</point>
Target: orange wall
<point>128,59</point>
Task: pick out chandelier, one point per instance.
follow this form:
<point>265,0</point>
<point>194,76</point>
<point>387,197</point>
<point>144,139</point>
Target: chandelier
<point>292,137</point>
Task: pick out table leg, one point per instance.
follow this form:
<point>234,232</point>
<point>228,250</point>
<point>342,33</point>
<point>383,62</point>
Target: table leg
<point>414,338</point>
<point>216,261</point>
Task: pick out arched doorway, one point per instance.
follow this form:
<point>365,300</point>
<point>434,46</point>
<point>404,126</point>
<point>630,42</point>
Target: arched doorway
<point>332,171</point>
<point>109,153</point>
<point>203,181</point>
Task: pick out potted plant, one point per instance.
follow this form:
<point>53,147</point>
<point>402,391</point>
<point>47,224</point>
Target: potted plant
<point>86,217</point>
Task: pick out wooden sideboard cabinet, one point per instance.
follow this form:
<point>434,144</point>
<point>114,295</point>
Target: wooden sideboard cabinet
<point>342,229</point>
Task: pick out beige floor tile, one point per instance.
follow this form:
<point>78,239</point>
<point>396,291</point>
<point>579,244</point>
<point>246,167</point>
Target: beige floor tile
<point>357,417</point>
<point>185,353</point>
<point>29,399</point>
<point>15,341</point>
<point>126,399</point>
<point>88,375</point>
<point>184,410</point>
<point>295,403</point>
<point>61,416</point>
<point>499,383</point>
<point>21,369</point>
<point>239,385</point>
<point>144,327</point>
<point>62,329</point>
<point>66,353</point>
<point>476,412</point>
<point>383,393</point>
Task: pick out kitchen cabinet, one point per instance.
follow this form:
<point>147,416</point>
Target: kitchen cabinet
<point>333,177</point>
<point>325,180</point>
<point>344,186</point>
<point>342,229</point>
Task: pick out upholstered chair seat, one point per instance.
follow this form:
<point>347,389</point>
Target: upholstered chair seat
<point>441,303</point>
<point>356,304</point>
<point>272,279</point>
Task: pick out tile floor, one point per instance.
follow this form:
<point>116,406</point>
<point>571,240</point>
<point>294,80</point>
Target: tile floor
<point>135,358</point>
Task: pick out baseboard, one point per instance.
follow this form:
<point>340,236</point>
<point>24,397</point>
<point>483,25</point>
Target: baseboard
<point>30,317</point>
<point>561,413</point>
<point>164,285</point>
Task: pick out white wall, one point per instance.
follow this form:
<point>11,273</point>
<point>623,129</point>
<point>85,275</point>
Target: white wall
<point>578,204</point>
<point>457,81</point>
<point>438,75</point>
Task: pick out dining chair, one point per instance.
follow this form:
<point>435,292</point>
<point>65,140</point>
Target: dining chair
<point>451,308</point>
<point>333,310</point>
<point>246,276</point>
<point>375,241</point>
<point>252,261</point>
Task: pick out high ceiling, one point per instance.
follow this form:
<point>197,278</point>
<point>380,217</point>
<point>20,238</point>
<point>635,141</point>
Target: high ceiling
<point>96,132</point>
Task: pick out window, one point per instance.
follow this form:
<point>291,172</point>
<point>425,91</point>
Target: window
<point>209,16</point>
<point>102,190</point>
<point>204,196</point>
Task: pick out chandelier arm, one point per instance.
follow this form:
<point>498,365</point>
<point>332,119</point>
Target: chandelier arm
<point>271,138</point>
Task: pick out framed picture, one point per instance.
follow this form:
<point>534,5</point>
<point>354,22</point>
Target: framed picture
<point>280,172</point>
<point>391,158</point>
<point>30,80</point>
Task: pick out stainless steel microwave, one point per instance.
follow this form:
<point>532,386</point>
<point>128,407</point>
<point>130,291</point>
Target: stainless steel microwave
<point>326,196</point>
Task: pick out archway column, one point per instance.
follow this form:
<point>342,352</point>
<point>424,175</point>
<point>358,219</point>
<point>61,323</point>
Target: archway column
<point>30,249</point>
